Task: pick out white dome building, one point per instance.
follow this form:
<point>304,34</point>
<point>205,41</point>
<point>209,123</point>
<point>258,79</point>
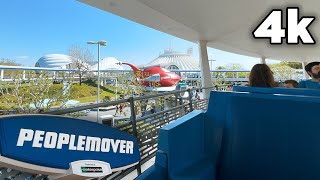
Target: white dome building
<point>54,61</point>
<point>109,63</point>
<point>176,60</point>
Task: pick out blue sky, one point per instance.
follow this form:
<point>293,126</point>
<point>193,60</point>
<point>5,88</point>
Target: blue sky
<point>33,28</point>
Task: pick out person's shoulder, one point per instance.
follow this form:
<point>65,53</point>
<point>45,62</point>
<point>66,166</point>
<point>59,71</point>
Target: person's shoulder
<point>308,84</point>
<point>303,81</point>
<point>302,84</point>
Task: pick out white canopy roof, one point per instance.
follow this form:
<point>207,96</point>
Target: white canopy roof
<point>226,24</point>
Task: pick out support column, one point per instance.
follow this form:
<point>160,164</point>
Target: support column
<point>2,75</point>
<point>263,60</point>
<point>305,74</point>
<point>102,79</point>
<point>24,75</point>
<point>205,68</point>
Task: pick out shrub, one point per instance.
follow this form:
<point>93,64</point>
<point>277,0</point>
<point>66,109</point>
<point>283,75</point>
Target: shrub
<point>106,98</point>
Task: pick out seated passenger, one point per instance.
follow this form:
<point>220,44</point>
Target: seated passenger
<point>290,84</point>
<point>261,76</point>
<point>313,70</point>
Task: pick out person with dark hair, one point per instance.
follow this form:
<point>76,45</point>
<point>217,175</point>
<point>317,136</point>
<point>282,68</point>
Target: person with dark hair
<point>290,84</point>
<point>261,76</point>
<point>313,70</point>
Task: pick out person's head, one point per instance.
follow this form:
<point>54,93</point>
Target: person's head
<point>261,76</point>
<point>313,69</point>
<point>290,84</point>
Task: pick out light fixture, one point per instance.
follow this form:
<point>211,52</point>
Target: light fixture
<point>100,43</point>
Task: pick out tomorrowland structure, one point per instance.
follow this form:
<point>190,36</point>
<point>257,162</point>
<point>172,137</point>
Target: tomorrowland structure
<point>158,70</point>
<point>65,62</point>
<point>169,59</point>
<point>173,60</point>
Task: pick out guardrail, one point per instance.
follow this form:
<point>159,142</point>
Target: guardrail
<point>186,74</point>
<point>146,128</point>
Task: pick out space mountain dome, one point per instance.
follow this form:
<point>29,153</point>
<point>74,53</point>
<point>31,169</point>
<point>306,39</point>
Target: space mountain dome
<point>176,60</point>
<point>54,61</point>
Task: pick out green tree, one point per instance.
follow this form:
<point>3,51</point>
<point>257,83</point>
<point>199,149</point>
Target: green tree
<point>282,71</point>
<point>294,65</point>
<point>234,66</point>
<point>9,62</point>
<point>35,94</point>
<point>219,76</point>
<point>221,67</point>
<point>82,59</point>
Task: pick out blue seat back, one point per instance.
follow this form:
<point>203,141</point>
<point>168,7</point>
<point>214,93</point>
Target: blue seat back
<point>271,137</point>
<point>183,142</point>
<point>215,119</point>
<point>245,136</point>
<point>293,91</point>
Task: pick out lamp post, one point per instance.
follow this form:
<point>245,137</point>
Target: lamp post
<point>100,43</point>
<point>116,88</point>
<point>210,60</point>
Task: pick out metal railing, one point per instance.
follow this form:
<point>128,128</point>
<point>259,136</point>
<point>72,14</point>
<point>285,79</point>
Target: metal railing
<point>224,75</point>
<point>146,128</point>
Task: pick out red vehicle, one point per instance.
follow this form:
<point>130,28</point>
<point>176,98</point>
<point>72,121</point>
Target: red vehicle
<point>155,74</point>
